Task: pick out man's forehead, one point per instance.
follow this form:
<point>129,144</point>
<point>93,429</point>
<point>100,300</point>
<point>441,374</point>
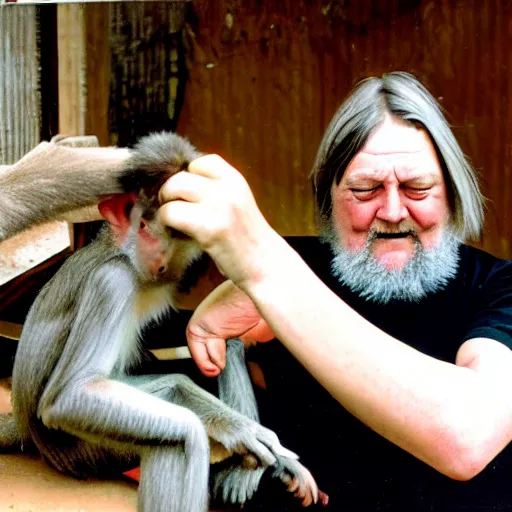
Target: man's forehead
<point>406,166</point>
<point>395,147</point>
<point>395,137</point>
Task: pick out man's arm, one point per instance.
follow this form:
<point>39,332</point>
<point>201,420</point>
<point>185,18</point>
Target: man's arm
<point>454,417</point>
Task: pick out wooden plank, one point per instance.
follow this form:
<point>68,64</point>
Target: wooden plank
<point>97,48</point>
<point>83,78</point>
<point>10,330</point>
<point>20,102</point>
<point>84,69</point>
<point>72,69</point>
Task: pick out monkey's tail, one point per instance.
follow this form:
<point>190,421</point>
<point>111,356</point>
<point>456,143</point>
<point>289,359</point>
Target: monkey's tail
<point>235,386</point>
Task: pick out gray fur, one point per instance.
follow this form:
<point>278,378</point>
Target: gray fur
<point>72,400</point>
<point>60,177</point>
<point>235,387</point>
<point>154,159</point>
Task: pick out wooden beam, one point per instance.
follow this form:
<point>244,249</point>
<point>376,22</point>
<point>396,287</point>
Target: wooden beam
<point>84,69</point>
<point>10,330</point>
<point>84,77</point>
<point>72,69</point>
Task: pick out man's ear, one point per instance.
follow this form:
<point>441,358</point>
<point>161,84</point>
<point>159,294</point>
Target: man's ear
<point>116,210</point>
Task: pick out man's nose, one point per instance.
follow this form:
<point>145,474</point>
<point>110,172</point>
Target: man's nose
<point>392,208</point>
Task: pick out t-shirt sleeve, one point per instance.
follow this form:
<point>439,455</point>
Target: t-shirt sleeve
<point>493,306</point>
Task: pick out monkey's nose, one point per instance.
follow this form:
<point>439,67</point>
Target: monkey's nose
<point>161,269</point>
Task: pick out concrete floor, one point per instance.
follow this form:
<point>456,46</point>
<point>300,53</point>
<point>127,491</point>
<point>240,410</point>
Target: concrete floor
<point>29,485</point>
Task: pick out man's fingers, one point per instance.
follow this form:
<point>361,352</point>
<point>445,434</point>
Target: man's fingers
<point>211,166</point>
<point>185,186</point>
<point>200,355</point>
<point>180,215</point>
<point>216,348</point>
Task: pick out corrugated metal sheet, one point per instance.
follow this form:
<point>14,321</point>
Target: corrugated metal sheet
<point>265,78</point>
<point>19,83</point>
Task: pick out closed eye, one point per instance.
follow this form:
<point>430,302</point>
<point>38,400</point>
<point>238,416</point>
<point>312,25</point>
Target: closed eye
<point>417,192</point>
<point>364,193</point>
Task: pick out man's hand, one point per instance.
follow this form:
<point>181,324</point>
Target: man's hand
<point>214,204</point>
<point>226,313</point>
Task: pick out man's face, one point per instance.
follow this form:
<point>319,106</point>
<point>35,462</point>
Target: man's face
<point>392,196</point>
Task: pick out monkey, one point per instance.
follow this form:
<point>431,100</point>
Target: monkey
<point>72,397</point>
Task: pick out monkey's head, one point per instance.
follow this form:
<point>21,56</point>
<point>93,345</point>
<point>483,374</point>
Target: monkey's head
<point>154,160</point>
<point>157,254</point>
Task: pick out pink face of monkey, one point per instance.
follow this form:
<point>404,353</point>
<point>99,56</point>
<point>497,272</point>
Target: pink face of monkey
<point>158,254</point>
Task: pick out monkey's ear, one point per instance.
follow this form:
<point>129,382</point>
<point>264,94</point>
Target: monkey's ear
<point>116,210</point>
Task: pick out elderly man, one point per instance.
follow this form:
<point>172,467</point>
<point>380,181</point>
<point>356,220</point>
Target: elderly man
<point>393,370</point>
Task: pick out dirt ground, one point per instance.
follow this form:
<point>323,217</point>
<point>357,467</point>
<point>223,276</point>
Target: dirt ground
<point>27,484</point>
<point>30,485</point>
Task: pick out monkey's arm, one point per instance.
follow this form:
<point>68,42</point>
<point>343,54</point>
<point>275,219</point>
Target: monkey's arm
<point>79,398</point>
<point>56,178</point>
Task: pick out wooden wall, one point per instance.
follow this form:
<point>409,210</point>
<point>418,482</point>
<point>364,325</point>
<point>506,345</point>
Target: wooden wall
<point>20,99</point>
<point>266,76</point>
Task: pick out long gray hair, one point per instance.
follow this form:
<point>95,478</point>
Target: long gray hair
<point>404,97</point>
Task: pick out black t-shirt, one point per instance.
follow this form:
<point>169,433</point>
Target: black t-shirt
<point>360,470</point>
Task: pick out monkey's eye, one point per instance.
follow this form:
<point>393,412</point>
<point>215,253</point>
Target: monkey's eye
<point>143,224</point>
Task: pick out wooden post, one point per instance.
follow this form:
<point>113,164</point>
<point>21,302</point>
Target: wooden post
<point>84,78</point>
<point>84,69</point>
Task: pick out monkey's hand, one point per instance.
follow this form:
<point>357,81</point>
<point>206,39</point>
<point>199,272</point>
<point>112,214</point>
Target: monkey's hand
<point>226,313</point>
<point>239,435</point>
<point>299,480</point>
<point>236,482</point>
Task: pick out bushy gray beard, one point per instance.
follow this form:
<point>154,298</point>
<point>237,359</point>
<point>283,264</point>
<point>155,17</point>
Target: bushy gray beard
<point>427,271</point>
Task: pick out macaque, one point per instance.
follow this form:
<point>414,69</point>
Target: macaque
<point>72,397</point>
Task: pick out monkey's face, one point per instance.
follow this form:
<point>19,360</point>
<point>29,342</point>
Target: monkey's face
<point>161,255</point>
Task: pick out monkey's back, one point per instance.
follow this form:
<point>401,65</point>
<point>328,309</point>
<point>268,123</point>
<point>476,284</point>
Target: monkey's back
<point>46,331</point>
